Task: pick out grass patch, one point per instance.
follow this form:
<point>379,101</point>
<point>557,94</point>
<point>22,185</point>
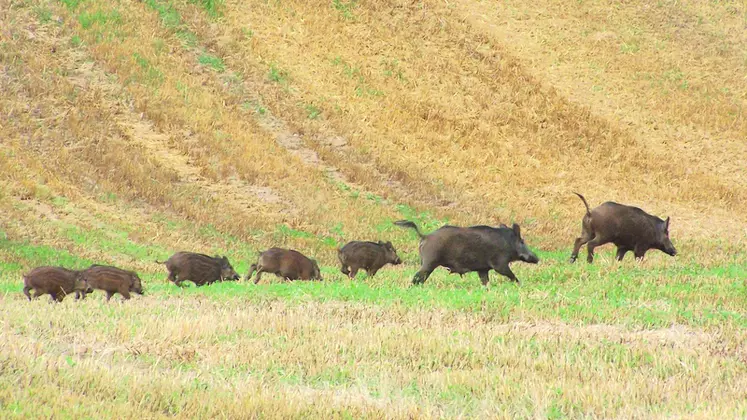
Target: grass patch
<point>98,18</point>
<point>312,111</point>
<point>212,61</point>
<point>214,8</point>
<point>277,75</point>
<point>345,8</point>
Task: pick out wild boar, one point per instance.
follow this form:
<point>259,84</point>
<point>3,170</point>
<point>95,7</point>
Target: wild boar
<point>629,228</point>
<point>285,263</point>
<point>465,249</point>
<point>55,281</point>
<point>201,269</point>
<point>370,256</point>
<point>113,280</point>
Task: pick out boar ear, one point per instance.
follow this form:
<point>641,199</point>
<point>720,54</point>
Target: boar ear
<point>666,224</point>
<point>389,244</point>
<point>517,230</point>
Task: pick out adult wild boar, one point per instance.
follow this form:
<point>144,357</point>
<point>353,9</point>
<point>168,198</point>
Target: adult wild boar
<point>466,249</point>
<point>113,280</point>
<point>201,269</point>
<point>285,263</point>
<point>370,256</point>
<point>55,281</point>
<point>629,228</point>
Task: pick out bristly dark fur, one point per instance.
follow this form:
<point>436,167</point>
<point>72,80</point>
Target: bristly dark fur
<point>370,256</point>
<point>628,227</point>
<point>466,249</point>
<point>285,263</point>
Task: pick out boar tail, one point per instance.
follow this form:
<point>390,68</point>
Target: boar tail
<point>588,211</point>
<point>411,225</point>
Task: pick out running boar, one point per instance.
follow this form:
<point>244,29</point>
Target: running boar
<point>201,269</point>
<point>113,280</point>
<point>55,281</point>
<point>370,256</point>
<point>465,249</point>
<point>285,263</point>
<point>629,228</point>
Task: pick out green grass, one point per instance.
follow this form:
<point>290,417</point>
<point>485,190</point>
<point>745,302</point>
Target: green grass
<point>345,8</point>
<point>209,60</point>
<point>312,111</point>
<point>212,7</point>
<point>629,294</point>
<point>277,75</point>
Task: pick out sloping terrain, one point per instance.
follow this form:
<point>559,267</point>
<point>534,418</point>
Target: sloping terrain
<point>133,129</point>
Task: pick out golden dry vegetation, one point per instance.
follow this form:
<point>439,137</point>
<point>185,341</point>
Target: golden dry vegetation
<point>133,129</point>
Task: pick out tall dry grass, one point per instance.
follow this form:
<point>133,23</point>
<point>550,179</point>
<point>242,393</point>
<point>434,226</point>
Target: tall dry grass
<point>178,357</point>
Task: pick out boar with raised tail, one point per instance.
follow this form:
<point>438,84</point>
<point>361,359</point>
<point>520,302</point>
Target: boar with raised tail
<point>629,228</point>
<point>285,263</point>
<point>58,282</point>
<point>465,249</point>
<point>113,280</point>
<point>370,256</point>
<point>201,269</point>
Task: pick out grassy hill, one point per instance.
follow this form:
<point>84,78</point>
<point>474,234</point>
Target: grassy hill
<point>133,129</point>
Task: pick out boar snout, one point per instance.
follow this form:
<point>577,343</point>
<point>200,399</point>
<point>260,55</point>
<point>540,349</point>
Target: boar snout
<point>529,258</point>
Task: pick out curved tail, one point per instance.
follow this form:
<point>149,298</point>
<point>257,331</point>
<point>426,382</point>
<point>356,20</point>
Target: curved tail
<point>588,210</point>
<point>411,225</point>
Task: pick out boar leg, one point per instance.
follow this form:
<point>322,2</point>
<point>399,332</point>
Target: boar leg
<point>372,272</point>
<point>353,272</point>
<point>172,278</point>
<point>26,292</point>
<point>639,253</point>
<point>597,241</point>
<point>259,275</point>
<point>422,275</point>
<point>586,235</point>
<point>109,295</point>
<point>125,294</point>
<point>484,277</point>
<point>505,270</point>
<point>621,253</point>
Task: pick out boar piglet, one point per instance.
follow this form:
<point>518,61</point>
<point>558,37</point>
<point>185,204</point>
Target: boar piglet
<point>466,249</point>
<point>629,228</point>
<point>55,281</point>
<point>285,263</point>
<point>113,280</point>
<point>370,256</point>
<point>200,269</point>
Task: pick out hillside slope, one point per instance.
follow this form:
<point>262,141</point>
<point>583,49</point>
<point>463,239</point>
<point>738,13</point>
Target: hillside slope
<point>249,116</point>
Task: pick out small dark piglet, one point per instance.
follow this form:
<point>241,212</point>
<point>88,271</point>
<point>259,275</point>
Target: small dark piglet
<point>285,263</point>
<point>201,269</point>
<point>370,256</point>
<point>113,280</point>
<point>465,249</point>
<point>629,228</point>
<point>57,282</point>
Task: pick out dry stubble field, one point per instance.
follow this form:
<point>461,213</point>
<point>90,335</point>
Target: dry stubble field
<point>133,129</point>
